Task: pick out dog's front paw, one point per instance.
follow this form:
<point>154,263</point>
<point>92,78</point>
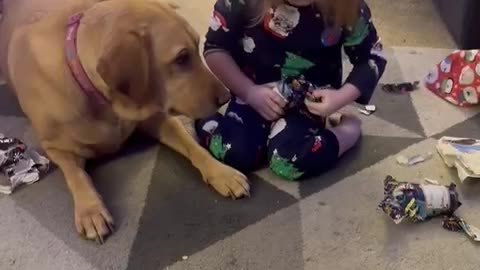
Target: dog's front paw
<point>228,181</point>
<point>92,220</point>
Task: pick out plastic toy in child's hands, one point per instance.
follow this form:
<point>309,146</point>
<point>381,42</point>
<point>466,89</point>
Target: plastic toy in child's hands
<point>294,90</point>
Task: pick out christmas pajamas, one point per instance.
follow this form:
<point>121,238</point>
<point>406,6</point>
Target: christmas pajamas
<point>294,146</point>
<point>289,42</point>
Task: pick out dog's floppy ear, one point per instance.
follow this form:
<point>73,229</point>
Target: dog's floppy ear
<point>169,3</point>
<point>125,68</point>
<point>172,5</point>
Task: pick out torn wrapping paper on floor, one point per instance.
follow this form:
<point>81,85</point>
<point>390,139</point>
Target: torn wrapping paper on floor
<point>19,165</point>
<point>413,160</point>
<point>368,110</point>
<point>461,153</point>
<point>457,224</point>
<point>418,202</point>
<point>400,88</point>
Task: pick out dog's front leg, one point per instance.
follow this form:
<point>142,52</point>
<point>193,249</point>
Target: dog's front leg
<point>92,219</point>
<point>226,180</point>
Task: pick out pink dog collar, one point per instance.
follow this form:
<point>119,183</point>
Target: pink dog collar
<point>73,62</point>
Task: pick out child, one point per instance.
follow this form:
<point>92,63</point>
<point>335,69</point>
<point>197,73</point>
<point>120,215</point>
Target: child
<point>253,43</point>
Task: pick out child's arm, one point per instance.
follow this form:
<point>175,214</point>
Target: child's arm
<point>224,67</point>
<point>363,47</point>
<point>225,32</point>
<point>262,98</point>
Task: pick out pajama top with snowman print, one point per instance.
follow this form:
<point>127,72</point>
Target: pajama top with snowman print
<point>289,42</point>
<point>294,41</point>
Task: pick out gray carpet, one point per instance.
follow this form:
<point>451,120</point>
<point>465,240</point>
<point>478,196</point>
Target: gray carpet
<point>164,212</point>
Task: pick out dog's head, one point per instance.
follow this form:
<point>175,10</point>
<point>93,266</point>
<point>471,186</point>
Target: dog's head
<point>150,61</point>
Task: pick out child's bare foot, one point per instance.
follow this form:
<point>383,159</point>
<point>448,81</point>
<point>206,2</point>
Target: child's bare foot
<point>335,119</point>
<point>352,119</point>
<point>347,130</point>
<point>339,117</point>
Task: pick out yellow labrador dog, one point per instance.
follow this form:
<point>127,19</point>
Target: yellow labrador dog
<point>88,73</point>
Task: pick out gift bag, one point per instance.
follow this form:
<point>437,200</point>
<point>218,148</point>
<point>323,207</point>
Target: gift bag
<point>456,78</point>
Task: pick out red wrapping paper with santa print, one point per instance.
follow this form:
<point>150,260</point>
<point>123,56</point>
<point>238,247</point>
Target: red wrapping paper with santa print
<point>456,78</point>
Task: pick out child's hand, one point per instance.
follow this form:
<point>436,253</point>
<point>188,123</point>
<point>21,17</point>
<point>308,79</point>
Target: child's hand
<point>327,101</point>
<point>266,102</point>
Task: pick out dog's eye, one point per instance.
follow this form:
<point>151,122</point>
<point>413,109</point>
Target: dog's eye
<point>183,58</point>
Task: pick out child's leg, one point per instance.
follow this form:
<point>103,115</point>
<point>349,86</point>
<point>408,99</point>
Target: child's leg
<point>238,138</point>
<point>347,129</point>
<point>298,148</point>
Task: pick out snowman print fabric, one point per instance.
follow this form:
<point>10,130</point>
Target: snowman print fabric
<point>456,78</point>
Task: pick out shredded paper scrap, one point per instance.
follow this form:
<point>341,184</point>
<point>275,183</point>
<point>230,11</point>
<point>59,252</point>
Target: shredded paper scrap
<point>461,153</point>
<point>19,165</point>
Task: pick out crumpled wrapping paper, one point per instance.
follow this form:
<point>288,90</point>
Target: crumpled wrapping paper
<point>418,202</point>
<point>19,165</point>
<point>461,153</point>
<point>458,224</point>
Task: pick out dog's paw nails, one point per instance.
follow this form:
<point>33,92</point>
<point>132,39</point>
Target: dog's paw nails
<point>111,226</point>
<point>230,183</point>
<point>94,223</point>
<point>240,186</point>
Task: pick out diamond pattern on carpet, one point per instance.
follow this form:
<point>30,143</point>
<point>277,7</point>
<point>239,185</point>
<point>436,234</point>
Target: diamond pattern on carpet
<point>273,243</point>
<point>369,151</point>
<point>183,215</point>
<point>398,110</point>
<point>429,108</point>
<point>468,128</point>
<point>123,182</point>
<point>10,106</point>
<point>26,244</point>
<point>342,229</point>
<point>164,211</point>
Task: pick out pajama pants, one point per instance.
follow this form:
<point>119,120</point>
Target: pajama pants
<point>295,146</point>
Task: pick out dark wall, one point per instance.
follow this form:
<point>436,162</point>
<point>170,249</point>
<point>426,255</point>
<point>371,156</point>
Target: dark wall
<point>463,21</point>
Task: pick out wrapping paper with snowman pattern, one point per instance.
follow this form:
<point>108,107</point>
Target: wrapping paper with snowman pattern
<point>456,78</point>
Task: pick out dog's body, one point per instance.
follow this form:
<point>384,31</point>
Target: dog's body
<point>32,53</point>
<point>140,56</point>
